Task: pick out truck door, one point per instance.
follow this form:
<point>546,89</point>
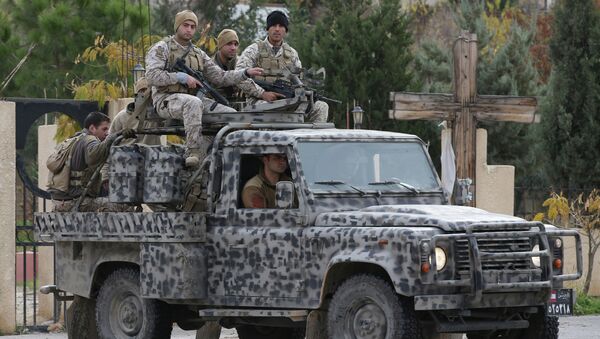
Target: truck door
<point>264,245</point>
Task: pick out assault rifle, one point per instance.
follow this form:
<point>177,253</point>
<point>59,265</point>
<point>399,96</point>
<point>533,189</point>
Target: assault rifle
<point>205,87</point>
<point>287,88</point>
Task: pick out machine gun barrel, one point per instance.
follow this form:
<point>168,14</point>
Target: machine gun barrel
<point>287,88</point>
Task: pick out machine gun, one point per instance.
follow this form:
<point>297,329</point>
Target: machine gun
<point>287,88</point>
<point>205,87</point>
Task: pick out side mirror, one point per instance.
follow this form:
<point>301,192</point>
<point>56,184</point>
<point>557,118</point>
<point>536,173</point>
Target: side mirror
<point>284,194</point>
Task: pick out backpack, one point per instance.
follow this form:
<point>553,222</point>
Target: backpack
<point>59,164</point>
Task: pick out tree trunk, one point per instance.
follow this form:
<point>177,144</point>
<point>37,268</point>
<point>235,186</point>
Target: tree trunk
<point>592,249</point>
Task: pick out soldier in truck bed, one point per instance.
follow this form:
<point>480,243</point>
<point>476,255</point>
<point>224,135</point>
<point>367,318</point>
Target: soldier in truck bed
<point>173,92</point>
<point>81,155</point>
<point>275,56</point>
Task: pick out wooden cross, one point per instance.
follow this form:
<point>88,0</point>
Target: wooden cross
<point>464,108</point>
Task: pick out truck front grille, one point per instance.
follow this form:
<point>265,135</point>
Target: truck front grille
<point>493,245</point>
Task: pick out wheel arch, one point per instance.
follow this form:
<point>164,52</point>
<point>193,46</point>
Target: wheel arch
<point>104,269</point>
<point>339,272</point>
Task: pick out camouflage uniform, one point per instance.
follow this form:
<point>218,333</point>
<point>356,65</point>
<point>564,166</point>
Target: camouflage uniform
<point>229,92</point>
<point>87,155</point>
<point>259,185</point>
<point>125,119</point>
<point>274,60</point>
<point>172,99</point>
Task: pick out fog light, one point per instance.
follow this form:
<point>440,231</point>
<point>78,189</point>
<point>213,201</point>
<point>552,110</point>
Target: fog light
<point>557,243</point>
<point>557,263</point>
<point>536,260</point>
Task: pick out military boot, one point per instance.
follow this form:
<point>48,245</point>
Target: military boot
<point>194,157</point>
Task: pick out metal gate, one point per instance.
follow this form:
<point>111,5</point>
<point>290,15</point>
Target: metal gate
<point>26,261</point>
<point>28,200</point>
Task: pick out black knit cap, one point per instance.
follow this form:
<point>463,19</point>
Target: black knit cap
<point>277,17</point>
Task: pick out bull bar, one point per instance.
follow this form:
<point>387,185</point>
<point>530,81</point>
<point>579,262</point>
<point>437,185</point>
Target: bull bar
<point>476,277</point>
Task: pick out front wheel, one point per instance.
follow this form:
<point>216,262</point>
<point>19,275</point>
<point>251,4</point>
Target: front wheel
<point>122,313</point>
<point>366,306</point>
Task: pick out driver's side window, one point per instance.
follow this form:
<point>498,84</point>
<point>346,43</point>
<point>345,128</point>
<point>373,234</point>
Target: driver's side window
<point>258,177</point>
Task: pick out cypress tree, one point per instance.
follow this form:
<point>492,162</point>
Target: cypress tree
<point>571,117</point>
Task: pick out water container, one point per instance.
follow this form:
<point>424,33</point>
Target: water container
<point>163,171</point>
<point>125,174</point>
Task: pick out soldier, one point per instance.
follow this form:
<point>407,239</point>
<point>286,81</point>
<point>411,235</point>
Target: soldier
<point>173,92</point>
<point>275,56</point>
<point>226,57</point>
<point>259,191</point>
<point>126,119</point>
<point>74,163</point>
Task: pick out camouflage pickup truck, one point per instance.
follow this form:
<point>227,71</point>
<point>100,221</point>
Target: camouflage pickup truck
<point>363,243</point>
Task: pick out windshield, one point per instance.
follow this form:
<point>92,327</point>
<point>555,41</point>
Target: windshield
<point>367,166</point>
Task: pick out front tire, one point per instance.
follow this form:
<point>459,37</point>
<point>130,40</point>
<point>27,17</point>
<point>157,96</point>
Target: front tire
<point>542,325</point>
<point>366,306</point>
<point>122,313</point>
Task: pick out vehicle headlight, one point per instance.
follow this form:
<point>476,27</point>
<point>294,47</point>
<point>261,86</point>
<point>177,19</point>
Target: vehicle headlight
<point>440,258</point>
<point>536,260</point>
<point>557,243</point>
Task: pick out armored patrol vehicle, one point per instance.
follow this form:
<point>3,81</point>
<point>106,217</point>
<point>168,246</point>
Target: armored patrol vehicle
<point>362,243</point>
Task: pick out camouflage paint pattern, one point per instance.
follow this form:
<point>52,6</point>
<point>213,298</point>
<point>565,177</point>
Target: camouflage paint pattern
<point>294,258</point>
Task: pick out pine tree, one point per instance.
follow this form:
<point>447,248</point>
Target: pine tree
<point>570,113</point>
<point>61,30</point>
<point>365,50</point>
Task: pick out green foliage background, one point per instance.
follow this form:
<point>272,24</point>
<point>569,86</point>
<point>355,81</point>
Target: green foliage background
<point>569,134</point>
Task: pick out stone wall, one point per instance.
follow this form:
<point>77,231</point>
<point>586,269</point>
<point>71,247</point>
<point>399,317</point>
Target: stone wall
<point>8,158</point>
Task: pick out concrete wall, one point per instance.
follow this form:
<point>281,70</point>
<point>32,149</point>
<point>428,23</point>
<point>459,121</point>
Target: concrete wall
<point>495,187</point>
<point>116,106</point>
<point>8,158</point>
<point>46,145</point>
<point>571,262</point>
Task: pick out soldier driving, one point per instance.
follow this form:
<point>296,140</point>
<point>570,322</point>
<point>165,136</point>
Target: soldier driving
<point>259,191</point>
<point>173,92</point>
<point>275,56</point>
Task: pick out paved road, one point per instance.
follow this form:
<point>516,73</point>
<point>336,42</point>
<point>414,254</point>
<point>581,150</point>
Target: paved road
<point>586,327</point>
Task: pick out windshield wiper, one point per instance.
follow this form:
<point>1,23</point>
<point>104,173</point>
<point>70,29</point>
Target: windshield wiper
<point>338,182</point>
<point>395,182</point>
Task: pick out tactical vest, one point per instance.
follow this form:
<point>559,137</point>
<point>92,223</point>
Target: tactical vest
<point>271,64</point>
<point>193,59</point>
<point>69,183</point>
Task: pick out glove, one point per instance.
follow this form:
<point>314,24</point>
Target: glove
<point>128,133</point>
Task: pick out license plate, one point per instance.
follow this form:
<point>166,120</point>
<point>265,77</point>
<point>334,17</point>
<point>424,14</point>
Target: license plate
<point>561,302</point>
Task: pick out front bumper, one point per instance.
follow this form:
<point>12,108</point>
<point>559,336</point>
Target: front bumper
<point>481,287</point>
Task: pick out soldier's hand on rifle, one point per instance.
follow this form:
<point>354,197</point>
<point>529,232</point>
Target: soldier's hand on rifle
<point>271,96</point>
<point>192,82</point>
<point>254,71</point>
<point>128,133</point>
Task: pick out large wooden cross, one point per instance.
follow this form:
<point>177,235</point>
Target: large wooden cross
<point>464,108</point>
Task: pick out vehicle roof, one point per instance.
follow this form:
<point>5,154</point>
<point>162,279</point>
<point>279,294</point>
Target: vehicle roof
<point>289,136</point>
